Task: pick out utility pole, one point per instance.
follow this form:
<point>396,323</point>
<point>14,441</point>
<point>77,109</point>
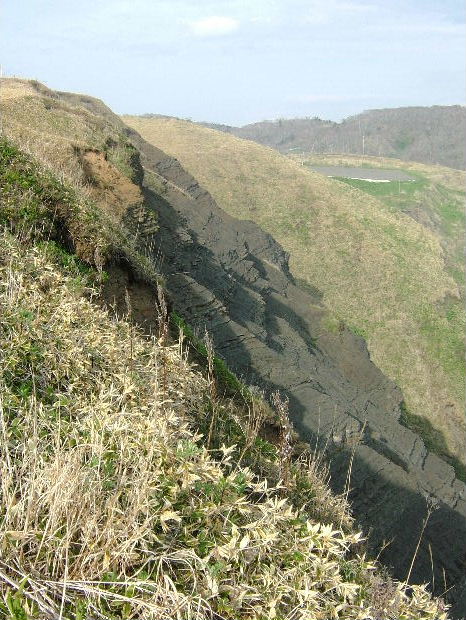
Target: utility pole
<point>361,133</point>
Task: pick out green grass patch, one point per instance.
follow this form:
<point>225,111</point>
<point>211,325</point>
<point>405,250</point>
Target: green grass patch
<point>443,329</point>
<point>358,331</point>
<point>391,188</point>
<point>28,195</point>
<point>68,261</point>
<point>433,439</point>
<point>451,209</point>
<point>124,156</point>
<point>226,378</point>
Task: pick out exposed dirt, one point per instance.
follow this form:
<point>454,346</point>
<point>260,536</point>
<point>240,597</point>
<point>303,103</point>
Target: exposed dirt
<point>123,293</point>
<point>113,190</point>
<point>126,296</point>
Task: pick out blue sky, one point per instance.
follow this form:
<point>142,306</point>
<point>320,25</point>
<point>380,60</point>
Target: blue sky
<point>240,61</point>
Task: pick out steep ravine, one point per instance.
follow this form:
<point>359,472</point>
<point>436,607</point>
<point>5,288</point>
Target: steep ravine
<point>231,278</point>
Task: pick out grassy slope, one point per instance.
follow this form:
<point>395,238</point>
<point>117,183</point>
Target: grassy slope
<point>111,504</point>
<point>53,130</point>
<point>436,199</point>
<point>380,271</point>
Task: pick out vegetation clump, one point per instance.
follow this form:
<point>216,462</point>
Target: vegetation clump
<point>223,374</point>
<point>38,205</point>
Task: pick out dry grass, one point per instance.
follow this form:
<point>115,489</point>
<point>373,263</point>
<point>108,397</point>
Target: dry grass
<point>111,506</point>
<point>380,271</point>
<point>17,88</point>
<point>52,130</point>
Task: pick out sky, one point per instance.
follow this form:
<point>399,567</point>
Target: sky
<point>240,61</point>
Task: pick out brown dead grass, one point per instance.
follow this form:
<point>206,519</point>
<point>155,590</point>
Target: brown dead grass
<point>13,88</point>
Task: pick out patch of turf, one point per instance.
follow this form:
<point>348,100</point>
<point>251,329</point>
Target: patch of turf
<point>434,439</point>
<point>403,189</point>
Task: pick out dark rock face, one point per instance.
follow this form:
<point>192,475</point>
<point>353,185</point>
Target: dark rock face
<point>231,278</point>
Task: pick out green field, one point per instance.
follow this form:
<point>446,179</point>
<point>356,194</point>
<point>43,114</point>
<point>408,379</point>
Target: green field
<point>403,189</point>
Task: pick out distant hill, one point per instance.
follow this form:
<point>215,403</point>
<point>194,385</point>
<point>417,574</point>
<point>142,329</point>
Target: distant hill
<point>431,135</point>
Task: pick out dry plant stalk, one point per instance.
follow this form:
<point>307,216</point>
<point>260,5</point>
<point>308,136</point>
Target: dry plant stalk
<point>212,386</point>
<point>286,435</point>
<point>162,315</point>
<point>430,510</point>
<point>256,417</point>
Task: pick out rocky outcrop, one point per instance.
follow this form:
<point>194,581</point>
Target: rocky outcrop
<point>231,278</point>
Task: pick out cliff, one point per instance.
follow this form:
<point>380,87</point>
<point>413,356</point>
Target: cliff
<point>231,278</point>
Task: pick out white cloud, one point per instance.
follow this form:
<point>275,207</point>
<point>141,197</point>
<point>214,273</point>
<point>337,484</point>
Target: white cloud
<point>323,98</point>
<point>213,26</point>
